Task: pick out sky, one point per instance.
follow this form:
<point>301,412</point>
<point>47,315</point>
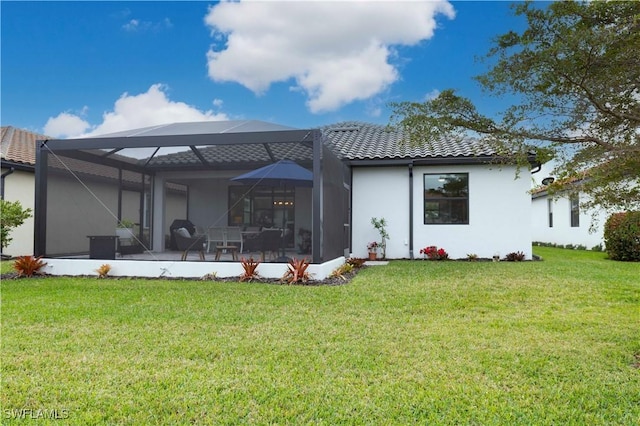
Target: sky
<point>72,69</point>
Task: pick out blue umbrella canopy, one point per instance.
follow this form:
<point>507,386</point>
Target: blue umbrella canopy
<point>281,173</point>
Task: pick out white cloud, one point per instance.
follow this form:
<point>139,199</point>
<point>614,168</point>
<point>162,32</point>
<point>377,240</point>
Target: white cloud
<point>65,125</point>
<point>432,95</point>
<point>135,25</point>
<point>336,52</point>
<point>150,108</point>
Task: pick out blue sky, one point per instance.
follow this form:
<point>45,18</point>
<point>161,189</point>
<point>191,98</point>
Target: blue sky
<point>73,68</point>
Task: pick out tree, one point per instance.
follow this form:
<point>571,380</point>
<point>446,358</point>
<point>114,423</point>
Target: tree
<point>11,215</point>
<point>576,73</point>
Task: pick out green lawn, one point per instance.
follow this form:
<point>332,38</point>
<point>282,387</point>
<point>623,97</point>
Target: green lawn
<point>552,342</point>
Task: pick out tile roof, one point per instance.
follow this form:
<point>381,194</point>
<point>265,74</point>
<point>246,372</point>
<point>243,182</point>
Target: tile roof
<point>19,145</point>
<point>354,140</point>
<point>349,140</point>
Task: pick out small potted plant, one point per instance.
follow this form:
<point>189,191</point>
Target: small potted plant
<point>373,250</point>
<point>124,229</point>
<point>380,225</point>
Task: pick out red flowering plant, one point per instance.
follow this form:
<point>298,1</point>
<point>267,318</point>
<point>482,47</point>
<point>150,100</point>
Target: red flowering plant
<point>373,246</point>
<point>434,253</point>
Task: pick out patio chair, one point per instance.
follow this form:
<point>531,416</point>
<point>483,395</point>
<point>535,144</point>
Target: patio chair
<point>250,236</point>
<point>234,235</point>
<point>270,241</point>
<point>216,236</point>
<point>186,242</point>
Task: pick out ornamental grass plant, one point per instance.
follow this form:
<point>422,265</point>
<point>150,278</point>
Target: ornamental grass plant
<point>413,342</point>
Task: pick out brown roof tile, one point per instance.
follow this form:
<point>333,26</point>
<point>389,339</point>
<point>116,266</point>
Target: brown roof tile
<point>19,145</point>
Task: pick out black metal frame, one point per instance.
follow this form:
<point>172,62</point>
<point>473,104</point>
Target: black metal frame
<point>92,150</point>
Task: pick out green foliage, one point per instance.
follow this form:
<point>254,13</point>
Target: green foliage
<point>622,236</point>
<point>381,227</point>
<point>124,223</point>
<point>516,256</point>
<point>574,73</point>
<point>12,215</point>
<point>342,270</point>
<point>410,343</point>
<point>567,246</point>
<point>356,262</point>
<point>434,253</point>
<point>28,265</point>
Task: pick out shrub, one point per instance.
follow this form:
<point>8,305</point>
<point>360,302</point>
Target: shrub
<point>472,257</point>
<point>622,236</point>
<point>516,256</point>
<point>211,276</point>
<point>28,265</point>
<point>12,215</point>
<point>356,262</point>
<point>103,270</point>
<point>250,267</point>
<point>434,253</point>
<point>597,247</point>
<point>297,271</point>
<point>341,270</point>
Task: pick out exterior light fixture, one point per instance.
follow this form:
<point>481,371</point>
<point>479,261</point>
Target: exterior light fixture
<point>548,180</point>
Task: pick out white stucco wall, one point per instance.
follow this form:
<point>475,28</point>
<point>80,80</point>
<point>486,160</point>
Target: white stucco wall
<point>20,186</point>
<point>499,212</point>
<point>562,232</point>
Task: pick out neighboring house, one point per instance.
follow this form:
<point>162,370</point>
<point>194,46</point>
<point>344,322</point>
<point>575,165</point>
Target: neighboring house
<point>563,221</point>
<point>451,194</point>
<point>18,158</point>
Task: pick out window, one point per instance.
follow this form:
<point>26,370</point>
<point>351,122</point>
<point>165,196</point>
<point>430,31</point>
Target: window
<point>446,198</point>
<point>575,211</point>
<point>261,206</point>
<point>550,210</point>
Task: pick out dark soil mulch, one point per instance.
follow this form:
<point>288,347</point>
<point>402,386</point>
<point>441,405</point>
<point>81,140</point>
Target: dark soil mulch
<point>346,278</point>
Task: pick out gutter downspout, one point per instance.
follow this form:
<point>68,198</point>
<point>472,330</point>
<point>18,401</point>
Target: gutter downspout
<point>411,210</point>
<point>4,175</point>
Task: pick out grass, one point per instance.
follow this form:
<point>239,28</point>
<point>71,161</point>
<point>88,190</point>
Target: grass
<point>552,342</point>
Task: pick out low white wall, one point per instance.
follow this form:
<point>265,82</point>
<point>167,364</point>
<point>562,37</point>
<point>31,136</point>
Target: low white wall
<point>177,269</point>
<point>499,212</point>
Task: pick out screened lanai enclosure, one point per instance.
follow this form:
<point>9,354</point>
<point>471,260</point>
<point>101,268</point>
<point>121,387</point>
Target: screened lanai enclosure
<point>154,180</point>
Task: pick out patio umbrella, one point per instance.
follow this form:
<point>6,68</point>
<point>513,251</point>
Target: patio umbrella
<point>284,172</point>
<point>281,174</point>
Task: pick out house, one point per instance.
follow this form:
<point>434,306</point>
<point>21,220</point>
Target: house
<point>18,157</point>
<point>562,220</point>
<point>452,195</point>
